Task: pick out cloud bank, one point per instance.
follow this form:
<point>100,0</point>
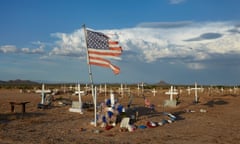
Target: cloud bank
<point>197,45</point>
<point>194,44</point>
<point>13,49</point>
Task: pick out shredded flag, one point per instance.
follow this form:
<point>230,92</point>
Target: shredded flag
<point>100,48</point>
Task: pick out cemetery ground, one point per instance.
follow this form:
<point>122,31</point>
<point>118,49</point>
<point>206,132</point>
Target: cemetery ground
<point>214,120</point>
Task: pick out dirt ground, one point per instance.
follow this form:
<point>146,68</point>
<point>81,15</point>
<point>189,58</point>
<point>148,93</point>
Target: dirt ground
<point>214,120</point>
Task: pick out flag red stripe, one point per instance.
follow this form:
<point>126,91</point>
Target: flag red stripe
<point>116,48</point>
<point>99,64</point>
<point>104,63</point>
<point>105,53</point>
<point>101,48</point>
<point>98,59</point>
<point>113,42</point>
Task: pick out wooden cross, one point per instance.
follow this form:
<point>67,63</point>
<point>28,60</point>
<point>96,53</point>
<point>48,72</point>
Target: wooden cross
<point>43,92</point>
<point>189,90</point>
<point>235,90</point>
<point>142,85</point>
<point>154,91</point>
<point>121,90</point>
<point>196,89</point>
<point>138,88</point>
<point>112,99</point>
<point>80,98</point>
<point>171,92</point>
<point>86,87</point>
<point>105,90</point>
<point>222,90</point>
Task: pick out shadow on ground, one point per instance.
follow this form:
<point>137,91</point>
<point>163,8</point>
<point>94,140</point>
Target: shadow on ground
<point>212,103</point>
<point>7,117</point>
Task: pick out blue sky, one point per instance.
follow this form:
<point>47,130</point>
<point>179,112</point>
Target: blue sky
<point>178,41</point>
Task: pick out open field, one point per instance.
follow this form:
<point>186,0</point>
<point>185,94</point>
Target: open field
<point>219,124</point>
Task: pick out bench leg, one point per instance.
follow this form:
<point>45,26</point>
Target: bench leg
<point>23,108</point>
<point>12,107</point>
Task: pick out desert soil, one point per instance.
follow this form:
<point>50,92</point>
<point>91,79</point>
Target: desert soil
<point>220,124</point>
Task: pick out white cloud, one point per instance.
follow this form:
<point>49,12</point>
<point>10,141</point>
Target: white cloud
<point>172,42</point>
<point>14,49</point>
<point>176,1</point>
<point>191,43</point>
<point>152,46</point>
<point>39,50</point>
<point>8,49</point>
<point>69,44</point>
<point>196,66</point>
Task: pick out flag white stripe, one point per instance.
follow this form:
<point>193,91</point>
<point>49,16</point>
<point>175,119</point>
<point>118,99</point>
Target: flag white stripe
<point>104,56</point>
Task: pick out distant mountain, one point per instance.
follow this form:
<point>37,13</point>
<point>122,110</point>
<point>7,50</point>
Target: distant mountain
<point>2,82</point>
<point>18,81</point>
<point>163,83</point>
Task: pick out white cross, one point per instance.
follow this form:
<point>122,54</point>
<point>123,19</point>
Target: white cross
<point>196,89</point>
<point>121,90</point>
<point>86,87</point>
<point>189,90</point>
<point>202,89</point>
<point>235,89</point>
<point>171,92</point>
<point>80,98</point>
<point>180,91</point>
<point>43,92</point>
<point>126,90</point>
<point>70,87</point>
<point>142,85</point>
<point>100,88</point>
<point>210,90</point>
<point>112,99</point>
<point>222,90</point>
<point>105,89</point>
<point>64,88</point>
<point>138,88</point>
<point>154,91</point>
<point>129,91</point>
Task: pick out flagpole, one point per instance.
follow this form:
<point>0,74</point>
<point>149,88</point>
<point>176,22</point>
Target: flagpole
<point>91,78</point>
<point>89,66</point>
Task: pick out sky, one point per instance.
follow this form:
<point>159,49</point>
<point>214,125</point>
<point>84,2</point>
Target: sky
<point>176,41</point>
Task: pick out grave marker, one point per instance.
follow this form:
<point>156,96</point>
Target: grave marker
<point>45,101</point>
<point>196,90</point>
<point>105,90</point>
<point>171,92</point>
<point>138,88</point>
<point>77,106</point>
<point>189,90</point>
<point>112,99</point>
<point>154,92</point>
<point>121,90</point>
<point>222,90</point>
<point>43,93</point>
<point>171,102</point>
<point>142,85</point>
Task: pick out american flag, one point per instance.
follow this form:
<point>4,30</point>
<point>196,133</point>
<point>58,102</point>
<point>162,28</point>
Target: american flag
<point>101,48</point>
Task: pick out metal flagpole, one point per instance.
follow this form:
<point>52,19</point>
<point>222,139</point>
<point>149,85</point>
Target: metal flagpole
<point>91,78</point>
<point>89,66</point>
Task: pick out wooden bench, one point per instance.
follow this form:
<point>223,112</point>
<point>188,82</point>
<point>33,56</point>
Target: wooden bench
<point>18,103</point>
